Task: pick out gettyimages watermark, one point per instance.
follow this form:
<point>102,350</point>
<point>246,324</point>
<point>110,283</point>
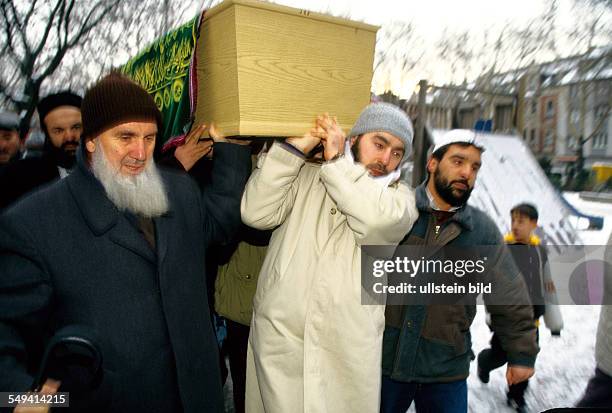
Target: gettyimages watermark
<point>489,274</point>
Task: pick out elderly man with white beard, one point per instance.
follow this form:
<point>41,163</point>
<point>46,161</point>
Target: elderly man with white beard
<point>118,247</point>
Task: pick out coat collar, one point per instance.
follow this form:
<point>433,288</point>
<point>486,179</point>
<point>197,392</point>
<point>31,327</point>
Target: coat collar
<point>102,216</point>
<point>533,239</point>
<point>462,216</point>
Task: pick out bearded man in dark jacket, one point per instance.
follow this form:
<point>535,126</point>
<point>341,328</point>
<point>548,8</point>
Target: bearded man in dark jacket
<point>60,120</point>
<point>118,247</point>
<point>427,348</point>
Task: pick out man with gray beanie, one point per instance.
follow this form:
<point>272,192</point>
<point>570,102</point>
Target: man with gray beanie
<point>122,255</point>
<point>313,346</point>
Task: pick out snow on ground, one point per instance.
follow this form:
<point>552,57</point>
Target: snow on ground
<point>563,367</point>
<point>565,363</point>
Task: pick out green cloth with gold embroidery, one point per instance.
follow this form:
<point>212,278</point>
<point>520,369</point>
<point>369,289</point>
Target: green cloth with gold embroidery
<point>162,69</point>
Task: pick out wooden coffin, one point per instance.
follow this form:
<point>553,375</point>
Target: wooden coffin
<point>268,70</point>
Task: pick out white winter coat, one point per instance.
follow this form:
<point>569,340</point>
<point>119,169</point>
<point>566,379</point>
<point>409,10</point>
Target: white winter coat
<point>313,346</point>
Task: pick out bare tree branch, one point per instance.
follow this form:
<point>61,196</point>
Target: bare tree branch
<point>49,26</point>
<point>8,32</point>
<point>92,33</point>
<point>28,16</point>
<point>20,27</point>
<point>89,23</point>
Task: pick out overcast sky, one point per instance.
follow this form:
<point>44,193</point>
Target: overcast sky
<point>430,18</point>
<point>429,14</point>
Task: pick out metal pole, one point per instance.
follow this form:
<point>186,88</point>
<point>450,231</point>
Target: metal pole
<point>418,169</point>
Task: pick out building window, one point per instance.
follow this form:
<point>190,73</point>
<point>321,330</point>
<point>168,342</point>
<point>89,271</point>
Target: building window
<point>534,106</point>
<point>548,140</point>
<point>600,112</point>
<point>602,91</point>
<point>503,117</point>
<point>575,118</point>
<point>600,141</point>
<point>532,138</point>
<point>550,109</point>
<point>573,92</point>
<point>572,143</point>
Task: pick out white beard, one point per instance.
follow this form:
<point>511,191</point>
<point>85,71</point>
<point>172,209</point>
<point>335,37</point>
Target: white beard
<point>143,194</point>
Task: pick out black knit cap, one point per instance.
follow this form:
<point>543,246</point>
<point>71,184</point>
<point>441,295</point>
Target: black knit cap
<point>113,100</point>
<point>55,100</point>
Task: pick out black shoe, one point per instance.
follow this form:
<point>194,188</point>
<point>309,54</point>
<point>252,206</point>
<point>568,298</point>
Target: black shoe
<point>519,406</point>
<point>483,375</point>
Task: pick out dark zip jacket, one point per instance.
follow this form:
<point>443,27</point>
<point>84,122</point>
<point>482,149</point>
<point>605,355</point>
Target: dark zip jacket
<point>429,344</point>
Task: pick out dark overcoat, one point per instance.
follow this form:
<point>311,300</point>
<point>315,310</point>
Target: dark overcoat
<point>20,177</point>
<point>68,256</point>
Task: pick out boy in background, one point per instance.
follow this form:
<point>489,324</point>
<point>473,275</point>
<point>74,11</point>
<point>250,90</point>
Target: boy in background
<point>531,259</point>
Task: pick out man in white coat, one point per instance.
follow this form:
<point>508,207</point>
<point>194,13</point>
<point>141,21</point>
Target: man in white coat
<point>313,346</point>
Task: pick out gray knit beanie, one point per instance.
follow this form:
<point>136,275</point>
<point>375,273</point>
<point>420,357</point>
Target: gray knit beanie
<point>385,117</point>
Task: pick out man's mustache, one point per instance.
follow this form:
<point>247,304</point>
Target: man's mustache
<point>134,162</point>
<point>69,145</point>
<point>460,181</point>
<point>378,167</point>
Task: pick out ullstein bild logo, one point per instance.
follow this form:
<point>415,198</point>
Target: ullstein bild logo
<point>432,288</point>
